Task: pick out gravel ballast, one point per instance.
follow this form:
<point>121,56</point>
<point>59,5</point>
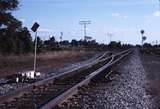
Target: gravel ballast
<point>126,91</point>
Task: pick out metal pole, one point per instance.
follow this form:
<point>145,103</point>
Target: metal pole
<point>61,37</point>
<point>35,52</point>
<point>156,42</point>
<point>142,41</point>
<point>85,23</point>
<point>110,38</point>
<point>85,31</point>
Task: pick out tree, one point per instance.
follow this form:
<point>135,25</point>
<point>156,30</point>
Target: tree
<point>8,5</point>
<point>147,45</point>
<point>65,42</point>
<point>52,39</point>
<point>74,43</point>
<point>26,39</point>
<point>13,37</point>
<point>115,45</point>
<point>51,44</point>
<point>39,44</point>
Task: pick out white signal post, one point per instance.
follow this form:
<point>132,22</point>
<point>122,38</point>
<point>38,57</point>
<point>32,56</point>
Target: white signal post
<point>34,29</point>
<point>35,52</point>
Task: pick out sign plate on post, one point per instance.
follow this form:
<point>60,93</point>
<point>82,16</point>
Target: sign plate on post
<point>144,38</point>
<point>35,27</point>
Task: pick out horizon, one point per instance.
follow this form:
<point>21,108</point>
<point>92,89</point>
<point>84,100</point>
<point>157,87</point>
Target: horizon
<point>123,18</point>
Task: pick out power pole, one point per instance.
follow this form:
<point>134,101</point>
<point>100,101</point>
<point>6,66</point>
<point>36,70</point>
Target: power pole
<point>156,42</point>
<point>85,23</point>
<point>110,35</point>
<point>61,36</point>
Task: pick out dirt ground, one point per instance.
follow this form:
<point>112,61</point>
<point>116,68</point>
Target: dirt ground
<point>151,65</point>
<point>45,61</point>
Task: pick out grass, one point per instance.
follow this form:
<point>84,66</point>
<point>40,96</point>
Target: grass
<point>13,64</point>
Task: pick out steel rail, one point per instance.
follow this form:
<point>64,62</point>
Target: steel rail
<point>29,87</point>
<point>72,91</point>
<point>18,94</point>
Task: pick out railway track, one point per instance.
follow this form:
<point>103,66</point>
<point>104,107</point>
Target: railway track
<point>27,87</point>
<point>54,91</point>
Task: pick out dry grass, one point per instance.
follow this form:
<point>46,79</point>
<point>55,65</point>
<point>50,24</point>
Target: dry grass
<point>152,67</point>
<point>59,54</point>
<point>45,61</point>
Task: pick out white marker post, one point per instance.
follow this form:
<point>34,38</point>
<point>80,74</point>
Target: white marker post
<point>34,29</point>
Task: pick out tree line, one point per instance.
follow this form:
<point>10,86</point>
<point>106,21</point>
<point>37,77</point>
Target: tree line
<point>13,37</point>
<point>16,39</point>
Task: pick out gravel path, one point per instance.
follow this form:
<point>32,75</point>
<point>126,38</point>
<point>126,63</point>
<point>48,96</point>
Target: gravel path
<point>126,91</point>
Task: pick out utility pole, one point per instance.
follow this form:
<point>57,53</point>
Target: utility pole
<point>110,35</point>
<point>156,42</point>
<point>61,36</point>
<point>85,23</point>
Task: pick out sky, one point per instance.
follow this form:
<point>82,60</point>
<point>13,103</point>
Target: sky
<point>122,18</point>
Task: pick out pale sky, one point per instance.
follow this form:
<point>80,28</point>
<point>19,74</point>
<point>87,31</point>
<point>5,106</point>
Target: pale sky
<point>123,18</point>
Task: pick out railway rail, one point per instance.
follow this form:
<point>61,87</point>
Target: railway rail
<point>54,91</point>
<point>27,87</point>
